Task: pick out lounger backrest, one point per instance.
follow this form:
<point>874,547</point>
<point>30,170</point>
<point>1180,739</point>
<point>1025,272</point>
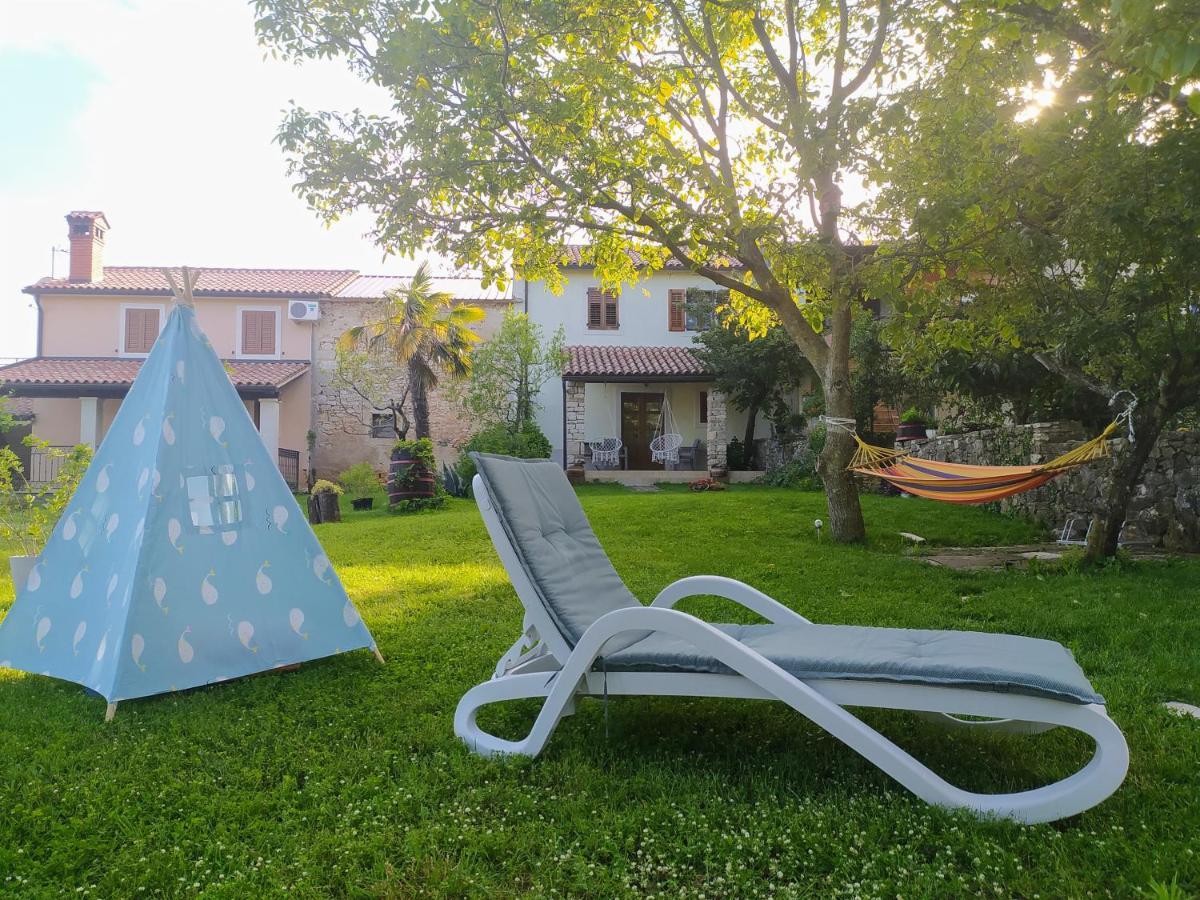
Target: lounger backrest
<point>556,546</point>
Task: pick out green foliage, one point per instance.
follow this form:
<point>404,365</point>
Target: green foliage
<point>754,372</point>
<point>812,405</point>
<point>667,132</point>
<point>912,416</point>
<point>322,486</point>
<point>528,442</point>
<point>29,512</point>
<point>359,480</point>
<point>735,456</point>
<point>875,377</point>
<point>509,371</point>
<point>454,483</point>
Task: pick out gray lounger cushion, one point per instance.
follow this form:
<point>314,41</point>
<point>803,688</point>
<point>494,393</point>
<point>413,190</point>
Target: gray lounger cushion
<point>556,546</point>
<point>577,584</point>
<point>966,659</point>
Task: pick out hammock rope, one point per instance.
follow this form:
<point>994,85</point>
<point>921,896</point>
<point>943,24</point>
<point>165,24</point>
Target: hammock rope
<point>962,483</point>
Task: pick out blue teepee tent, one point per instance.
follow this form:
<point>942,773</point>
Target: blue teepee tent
<point>182,558</point>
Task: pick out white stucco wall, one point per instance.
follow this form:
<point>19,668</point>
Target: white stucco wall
<point>643,315</point>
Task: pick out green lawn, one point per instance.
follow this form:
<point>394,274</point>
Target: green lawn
<point>344,779</point>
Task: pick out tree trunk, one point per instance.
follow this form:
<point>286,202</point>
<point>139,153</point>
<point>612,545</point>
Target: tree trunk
<point>420,406</point>
<point>751,421</point>
<point>841,493</point>
<point>1126,472</point>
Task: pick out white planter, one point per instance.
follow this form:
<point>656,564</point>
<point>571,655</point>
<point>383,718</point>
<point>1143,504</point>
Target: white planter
<point>931,432</point>
<point>20,567</point>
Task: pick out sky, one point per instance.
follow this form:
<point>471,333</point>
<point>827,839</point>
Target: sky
<point>161,113</point>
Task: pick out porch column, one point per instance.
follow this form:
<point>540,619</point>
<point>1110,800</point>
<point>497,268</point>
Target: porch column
<point>573,433</point>
<point>91,420</point>
<point>268,426</point>
<point>716,436</point>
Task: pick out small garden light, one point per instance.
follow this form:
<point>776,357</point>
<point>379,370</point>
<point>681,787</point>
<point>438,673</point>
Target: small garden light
<point>818,524</point>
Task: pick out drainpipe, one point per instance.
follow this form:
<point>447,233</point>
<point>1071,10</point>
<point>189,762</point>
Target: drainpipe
<point>526,289</point>
<point>37,302</point>
<point>564,420</point>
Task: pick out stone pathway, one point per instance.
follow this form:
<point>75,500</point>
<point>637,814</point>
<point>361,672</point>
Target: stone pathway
<point>978,559</point>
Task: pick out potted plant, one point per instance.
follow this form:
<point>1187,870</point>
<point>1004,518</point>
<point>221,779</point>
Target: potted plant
<point>931,429</point>
<point>411,475</point>
<point>28,511</point>
<point>912,425</point>
<point>323,505</point>
<point>360,482</point>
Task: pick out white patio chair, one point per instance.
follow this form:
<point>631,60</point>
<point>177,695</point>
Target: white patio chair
<point>606,452</point>
<point>578,613</point>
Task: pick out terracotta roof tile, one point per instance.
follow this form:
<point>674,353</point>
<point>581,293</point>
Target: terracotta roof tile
<point>98,370</point>
<point>211,282</point>
<point>624,362</point>
<point>573,258</point>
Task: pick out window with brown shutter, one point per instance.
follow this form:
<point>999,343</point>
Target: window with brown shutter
<point>602,309</point>
<point>676,309</point>
<point>141,329</point>
<point>704,407</point>
<point>258,332</point>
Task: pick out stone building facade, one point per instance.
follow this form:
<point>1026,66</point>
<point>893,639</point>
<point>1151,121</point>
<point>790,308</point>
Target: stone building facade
<point>343,420</point>
<point>1166,502</point>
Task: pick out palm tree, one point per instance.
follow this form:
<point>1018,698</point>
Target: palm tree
<point>426,332</point>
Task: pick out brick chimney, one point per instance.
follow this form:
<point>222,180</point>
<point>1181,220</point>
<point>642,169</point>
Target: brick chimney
<point>86,231</point>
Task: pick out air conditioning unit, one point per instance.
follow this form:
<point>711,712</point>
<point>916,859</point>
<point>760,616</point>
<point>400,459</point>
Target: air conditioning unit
<point>304,310</point>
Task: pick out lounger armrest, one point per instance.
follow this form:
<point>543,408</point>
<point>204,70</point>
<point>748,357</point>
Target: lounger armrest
<point>754,600</point>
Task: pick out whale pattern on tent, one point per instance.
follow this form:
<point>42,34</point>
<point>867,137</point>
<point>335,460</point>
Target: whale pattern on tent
<point>182,559</point>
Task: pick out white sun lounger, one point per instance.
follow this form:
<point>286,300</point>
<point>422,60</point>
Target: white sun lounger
<point>587,635</point>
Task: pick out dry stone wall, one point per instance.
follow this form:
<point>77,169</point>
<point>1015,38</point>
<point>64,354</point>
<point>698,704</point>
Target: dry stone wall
<point>1166,503</point>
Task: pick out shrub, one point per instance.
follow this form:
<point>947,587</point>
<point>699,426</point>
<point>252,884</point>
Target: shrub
<point>29,512</point>
<point>912,416</point>
<point>801,470</point>
<point>528,442</point>
<point>326,487</point>
<point>813,405</point>
<point>735,456</point>
<point>359,481</point>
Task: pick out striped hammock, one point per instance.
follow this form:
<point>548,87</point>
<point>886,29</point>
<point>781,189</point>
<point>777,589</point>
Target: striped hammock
<point>959,483</point>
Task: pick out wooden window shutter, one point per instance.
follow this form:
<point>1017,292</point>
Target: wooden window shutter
<point>141,330</point>
<point>258,332</point>
<point>602,309</point>
<point>595,311</point>
<point>704,407</point>
<point>676,309</point>
<point>611,320</point>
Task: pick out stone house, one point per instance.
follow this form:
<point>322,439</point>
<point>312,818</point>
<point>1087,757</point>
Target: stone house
<point>348,429</point>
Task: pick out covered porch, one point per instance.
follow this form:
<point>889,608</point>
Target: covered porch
<point>618,400</point>
<point>74,401</point>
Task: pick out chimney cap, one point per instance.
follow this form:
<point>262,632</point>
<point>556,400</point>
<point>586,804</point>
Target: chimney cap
<point>88,214</point>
